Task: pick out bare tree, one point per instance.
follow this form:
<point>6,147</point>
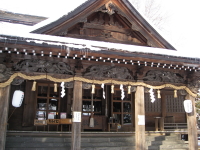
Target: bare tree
<point>152,9</point>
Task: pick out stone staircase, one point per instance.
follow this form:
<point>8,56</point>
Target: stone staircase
<point>91,141</point>
<point>167,142</point>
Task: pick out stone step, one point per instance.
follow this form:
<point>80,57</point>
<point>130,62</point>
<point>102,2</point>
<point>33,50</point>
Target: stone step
<point>108,144</point>
<point>36,144</point>
<point>94,143</point>
<point>174,149</point>
<point>164,142</point>
<point>161,138</point>
<point>174,146</point>
<point>109,148</point>
<point>37,139</point>
<point>19,148</point>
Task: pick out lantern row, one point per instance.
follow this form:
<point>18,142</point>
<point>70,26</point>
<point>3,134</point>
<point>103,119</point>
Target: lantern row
<point>92,58</point>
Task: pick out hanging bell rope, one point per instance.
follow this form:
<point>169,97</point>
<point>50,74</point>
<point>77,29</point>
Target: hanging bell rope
<point>93,89</point>
<point>159,96</point>
<point>129,89</point>
<point>55,87</point>
<point>175,94</point>
<point>112,89</point>
<point>34,86</point>
<point>92,117</point>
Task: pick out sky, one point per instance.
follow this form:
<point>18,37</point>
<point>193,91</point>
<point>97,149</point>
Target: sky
<point>181,29</point>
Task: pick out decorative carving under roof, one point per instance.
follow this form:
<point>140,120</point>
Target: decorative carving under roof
<point>107,25</point>
<point>108,8</point>
<point>194,84</point>
<point>163,76</point>
<point>5,73</point>
<point>87,85</point>
<point>69,84</point>
<point>17,81</point>
<point>106,20</point>
<point>103,71</point>
<point>43,66</point>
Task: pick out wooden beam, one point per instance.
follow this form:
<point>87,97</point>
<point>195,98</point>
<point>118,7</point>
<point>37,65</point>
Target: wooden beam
<point>192,125</point>
<point>139,119</point>
<point>4,106</point>
<point>77,109</point>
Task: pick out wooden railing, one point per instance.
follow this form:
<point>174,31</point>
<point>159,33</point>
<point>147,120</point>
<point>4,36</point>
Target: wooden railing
<point>175,126</point>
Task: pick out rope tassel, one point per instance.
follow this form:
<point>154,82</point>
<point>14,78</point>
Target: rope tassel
<point>93,89</point>
<point>55,87</point>
<point>159,96</point>
<point>129,89</point>
<point>34,86</point>
<point>175,94</point>
<point>112,89</point>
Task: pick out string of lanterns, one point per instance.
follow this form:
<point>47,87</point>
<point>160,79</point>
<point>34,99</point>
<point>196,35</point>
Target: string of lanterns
<point>92,58</point>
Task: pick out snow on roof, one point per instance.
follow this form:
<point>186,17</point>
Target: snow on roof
<point>17,30</point>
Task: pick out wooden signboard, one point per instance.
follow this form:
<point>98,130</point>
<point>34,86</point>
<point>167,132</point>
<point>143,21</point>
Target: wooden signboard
<point>65,121</point>
<point>53,121</point>
<point>40,122</point>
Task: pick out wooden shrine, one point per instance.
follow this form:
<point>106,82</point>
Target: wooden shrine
<point>130,88</point>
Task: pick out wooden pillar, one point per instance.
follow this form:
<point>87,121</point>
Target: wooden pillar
<point>163,104</point>
<point>192,125</point>
<point>139,119</point>
<point>163,110</point>
<point>76,109</point>
<point>4,107</point>
<point>156,124</point>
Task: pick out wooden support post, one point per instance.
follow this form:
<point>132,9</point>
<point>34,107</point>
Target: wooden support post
<point>192,125</point>
<point>139,119</point>
<point>156,124</point>
<point>76,121</point>
<point>163,104</point>
<point>161,123</point>
<point>4,104</point>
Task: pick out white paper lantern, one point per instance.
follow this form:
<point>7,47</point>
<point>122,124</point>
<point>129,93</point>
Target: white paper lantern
<point>18,97</point>
<point>188,106</point>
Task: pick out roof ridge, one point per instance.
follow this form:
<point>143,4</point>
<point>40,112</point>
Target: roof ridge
<point>66,16</point>
<point>77,8</point>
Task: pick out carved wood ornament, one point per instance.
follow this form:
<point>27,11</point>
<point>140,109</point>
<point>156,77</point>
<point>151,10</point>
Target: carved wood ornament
<point>103,71</point>
<point>5,73</point>
<point>17,81</point>
<point>107,23</point>
<point>163,76</point>
<point>194,84</point>
<point>43,66</point>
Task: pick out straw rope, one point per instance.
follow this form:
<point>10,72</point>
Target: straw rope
<point>37,77</point>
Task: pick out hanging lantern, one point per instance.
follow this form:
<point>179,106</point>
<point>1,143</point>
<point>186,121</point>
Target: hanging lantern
<point>175,94</point>
<point>18,97</point>
<point>129,89</point>
<point>93,89</point>
<point>55,87</point>
<point>34,86</point>
<point>112,89</point>
<point>159,96</point>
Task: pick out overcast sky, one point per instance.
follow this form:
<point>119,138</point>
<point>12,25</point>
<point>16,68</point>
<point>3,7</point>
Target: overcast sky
<point>181,30</point>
